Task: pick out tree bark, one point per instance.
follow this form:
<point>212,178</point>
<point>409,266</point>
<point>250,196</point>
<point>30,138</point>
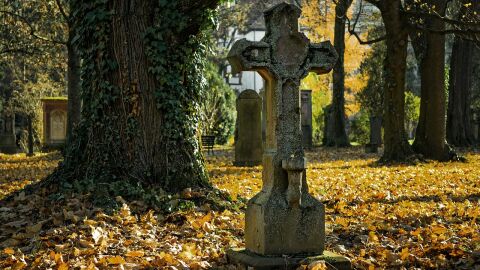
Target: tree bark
<point>459,118</point>
<point>30,152</point>
<point>430,135</point>
<point>459,115</point>
<point>339,137</point>
<point>396,144</point>
<point>140,94</point>
<point>73,88</point>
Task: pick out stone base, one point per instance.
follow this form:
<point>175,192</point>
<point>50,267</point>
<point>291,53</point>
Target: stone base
<point>258,262</point>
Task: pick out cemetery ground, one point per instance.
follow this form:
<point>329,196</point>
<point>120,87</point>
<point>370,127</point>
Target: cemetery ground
<point>406,216</point>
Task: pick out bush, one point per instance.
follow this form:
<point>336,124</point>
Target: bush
<point>217,108</point>
<point>360,128</point>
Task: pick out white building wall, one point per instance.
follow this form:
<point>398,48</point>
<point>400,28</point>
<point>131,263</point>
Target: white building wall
<point>248,79</point>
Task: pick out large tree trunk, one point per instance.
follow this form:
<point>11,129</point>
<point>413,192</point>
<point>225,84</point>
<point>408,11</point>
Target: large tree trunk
<point>73,88</point>
<point>339,137</point>
<point>396,144</point>
<point>430,135</point>
<point>459,116</point>
<point>141,85</point>
<point>459,119</point>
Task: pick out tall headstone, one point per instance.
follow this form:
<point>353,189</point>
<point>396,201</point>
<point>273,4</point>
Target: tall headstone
<point>248,140</point>
<point>54,121</point>
<point>7,134</point>
<point>375,134</point>
<point>307,123</point>
<point>283,218</point>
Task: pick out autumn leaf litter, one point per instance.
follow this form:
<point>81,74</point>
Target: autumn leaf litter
<point>397,217</point>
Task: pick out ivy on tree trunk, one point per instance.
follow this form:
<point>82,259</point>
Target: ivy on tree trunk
<point>141,84</point>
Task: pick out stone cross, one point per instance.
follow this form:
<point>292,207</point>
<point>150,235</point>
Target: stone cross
<point>283,218</point>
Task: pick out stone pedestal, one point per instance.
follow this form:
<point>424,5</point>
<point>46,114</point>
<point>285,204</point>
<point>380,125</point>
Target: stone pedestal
<point>249,259</point>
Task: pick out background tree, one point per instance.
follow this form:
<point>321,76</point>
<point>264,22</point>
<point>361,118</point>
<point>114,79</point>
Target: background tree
<point>459,114</point>
<point>430,138</point>
<point>34,28</point>
<point>339,137</point>
<point>372,95</point>
<point>31,60</point>
<point>400,18</point>
<point>232,21</point>
<point>319,22</point>
<point>396,144</point>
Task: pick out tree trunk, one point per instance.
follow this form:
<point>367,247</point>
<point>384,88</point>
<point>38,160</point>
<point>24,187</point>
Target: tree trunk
<point>430,135</point>
<point>73,88</point>
<point>396,144</point>
<point>141,85</point>
<point>459,119</point>
<point>337,120</point>
<point>30,137</point>
<point>459,116</point>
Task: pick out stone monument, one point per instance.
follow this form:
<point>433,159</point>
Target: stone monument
<point>7,134</point>
<point>248,140</point>
<point>54,121</point>
<point>284,223</point>
<point>375,134</point>
<point>307,125</point>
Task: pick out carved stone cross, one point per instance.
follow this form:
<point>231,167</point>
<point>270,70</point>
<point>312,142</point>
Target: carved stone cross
<point>283,218</point>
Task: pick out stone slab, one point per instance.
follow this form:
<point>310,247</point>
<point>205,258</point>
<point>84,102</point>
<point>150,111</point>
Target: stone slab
<point>258,262</point>
<point>8,144</point>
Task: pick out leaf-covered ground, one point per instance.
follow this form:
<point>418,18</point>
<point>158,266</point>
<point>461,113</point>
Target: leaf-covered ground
<point>398,217</point>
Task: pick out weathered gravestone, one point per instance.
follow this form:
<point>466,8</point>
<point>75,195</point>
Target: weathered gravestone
<point>54,121</point>
<point>7,134</point>
<point>476,126</point>
<point>375,134</point>
<point>307,125</point>
<point>283,219</point>
<point>248,140</point>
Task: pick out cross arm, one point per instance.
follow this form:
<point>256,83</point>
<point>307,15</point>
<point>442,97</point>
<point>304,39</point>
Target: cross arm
<point>322,57</point>
<point>248,55</point>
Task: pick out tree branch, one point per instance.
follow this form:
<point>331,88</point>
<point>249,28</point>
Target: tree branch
<point>32,28</point>
<point>62,11</point>
<point>352,32</point>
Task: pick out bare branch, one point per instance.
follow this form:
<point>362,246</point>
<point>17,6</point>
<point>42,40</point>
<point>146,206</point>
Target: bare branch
<point>352,31</point>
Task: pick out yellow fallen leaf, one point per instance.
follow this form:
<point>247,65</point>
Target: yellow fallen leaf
<point>318,265</point>
<point>116,260</point>
<point>63,266</point>
<point>85,244</point>
<point>404,254</point>
<point>19,266</point>
<point>9,251</point>
<point>135,253</point>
